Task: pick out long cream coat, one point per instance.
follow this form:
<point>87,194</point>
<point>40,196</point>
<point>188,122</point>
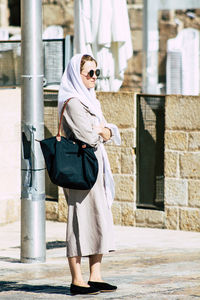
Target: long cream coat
<point>90,222</point>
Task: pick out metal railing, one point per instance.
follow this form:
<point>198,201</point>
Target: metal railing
<point>57,53</point>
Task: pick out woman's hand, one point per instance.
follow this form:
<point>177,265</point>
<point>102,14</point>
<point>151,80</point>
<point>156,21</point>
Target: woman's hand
<point>103,131</point>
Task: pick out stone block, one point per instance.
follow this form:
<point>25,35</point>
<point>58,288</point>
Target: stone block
<point>135,64</point>
<point>171,218</point>
<point>114,156</point>
<point>140,217</point>
<point>137,42</point>
<point>135,2</point>
<point>190,165</point>
<point>62,208</point>
<point>155,218</point>
<point>132,83</point>
<point>52,14</point>
<point>127,214</point>
<point>149,218</point>
<point>182,112</point>
<point>61,195</point>
<point>116,211</point>
<point>168,30</point>
<point>128,137</point>
<point>128,161</point>
<point>135,18</point>
<point>51,210</point>
<point>194,193</point>
<point>171,164</point>
<point>197,12</point>
<point>167,15</point>
<point>189,219</point>
<point>194,141</point>
<point>162,63</point>
<point>176,140</point>
<point>59,13</point>
<point>188,22</point>
<point>118,108</point>
<point>50,120</point>
<point>124,187</point>
<point>129,69</point>
<point>176,192</point>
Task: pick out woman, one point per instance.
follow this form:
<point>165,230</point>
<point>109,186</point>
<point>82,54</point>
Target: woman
<point>90,223</point>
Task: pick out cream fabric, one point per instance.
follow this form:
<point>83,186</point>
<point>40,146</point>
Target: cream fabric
<point>90,223</point>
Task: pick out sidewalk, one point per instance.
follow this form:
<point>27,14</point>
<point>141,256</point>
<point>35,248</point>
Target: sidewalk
<point>149,264</point>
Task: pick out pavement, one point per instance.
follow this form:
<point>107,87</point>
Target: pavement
<point>148,264</point>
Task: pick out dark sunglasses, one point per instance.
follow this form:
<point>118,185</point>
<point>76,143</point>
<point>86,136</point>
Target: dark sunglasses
<point>92,72</point>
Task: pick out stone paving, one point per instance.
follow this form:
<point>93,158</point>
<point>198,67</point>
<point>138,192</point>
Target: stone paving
<point>149,264</point>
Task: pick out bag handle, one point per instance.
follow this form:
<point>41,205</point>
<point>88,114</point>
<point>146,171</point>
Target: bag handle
<point>58,136</point>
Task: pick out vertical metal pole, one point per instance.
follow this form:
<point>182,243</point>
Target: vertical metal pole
<point>33,248</point>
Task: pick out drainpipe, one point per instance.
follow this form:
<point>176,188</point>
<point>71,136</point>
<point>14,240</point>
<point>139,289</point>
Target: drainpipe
<point>33,247</point>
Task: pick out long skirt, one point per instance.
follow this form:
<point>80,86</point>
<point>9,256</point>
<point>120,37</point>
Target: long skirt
<point>90,222</point>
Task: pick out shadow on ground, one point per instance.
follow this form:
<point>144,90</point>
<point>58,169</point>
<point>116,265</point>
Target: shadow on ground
<point>6,286</point>
<point>55,244</point>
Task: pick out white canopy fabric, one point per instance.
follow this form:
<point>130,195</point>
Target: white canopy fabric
<point>102,30</point>
<point>183,63</point>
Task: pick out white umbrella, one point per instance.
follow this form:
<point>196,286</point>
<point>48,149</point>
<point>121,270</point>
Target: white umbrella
<point>102,30</point>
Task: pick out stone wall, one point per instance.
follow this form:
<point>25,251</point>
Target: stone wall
<point>182,163</point>
<point>60,12</point>
<point>120,109</point>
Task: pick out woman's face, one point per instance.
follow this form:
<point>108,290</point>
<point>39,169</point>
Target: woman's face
<point>88,81</point>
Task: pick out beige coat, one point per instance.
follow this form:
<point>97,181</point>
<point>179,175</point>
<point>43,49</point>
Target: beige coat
<point>90,222</point>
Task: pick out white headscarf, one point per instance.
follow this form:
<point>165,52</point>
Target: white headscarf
<point>72,86</point>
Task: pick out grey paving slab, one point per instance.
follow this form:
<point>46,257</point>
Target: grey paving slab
<point>149,264</point>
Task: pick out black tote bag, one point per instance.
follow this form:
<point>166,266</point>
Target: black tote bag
<point>70,163</point>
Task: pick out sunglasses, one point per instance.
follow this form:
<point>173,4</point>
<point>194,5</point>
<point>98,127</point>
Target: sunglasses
<point>92,72</point>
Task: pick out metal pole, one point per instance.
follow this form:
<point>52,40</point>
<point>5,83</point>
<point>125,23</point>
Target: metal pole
<point>33,248</point>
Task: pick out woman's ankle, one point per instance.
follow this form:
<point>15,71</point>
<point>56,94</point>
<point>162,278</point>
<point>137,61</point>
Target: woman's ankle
<point>79,283</point>
<point>95,278</point>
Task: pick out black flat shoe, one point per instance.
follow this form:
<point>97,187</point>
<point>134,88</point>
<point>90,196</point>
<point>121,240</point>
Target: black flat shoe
<point>82,290</point>
<point>102,286</point>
